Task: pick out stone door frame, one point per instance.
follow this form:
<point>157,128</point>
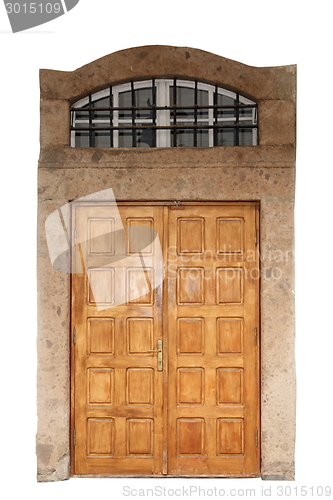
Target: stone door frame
<point>263,173</point>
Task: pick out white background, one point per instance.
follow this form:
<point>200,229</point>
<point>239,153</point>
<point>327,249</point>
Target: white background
<point>257,33</point>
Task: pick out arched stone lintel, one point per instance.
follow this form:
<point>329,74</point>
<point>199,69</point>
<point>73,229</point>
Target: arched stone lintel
<point>139,63</point>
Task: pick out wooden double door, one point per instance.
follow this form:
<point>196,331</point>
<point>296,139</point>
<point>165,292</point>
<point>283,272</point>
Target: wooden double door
<point>165,355</point>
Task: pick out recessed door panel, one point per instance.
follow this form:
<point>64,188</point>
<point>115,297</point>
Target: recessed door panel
<point>213,359</point>
<point>117,312</point>
<point>187,405</point>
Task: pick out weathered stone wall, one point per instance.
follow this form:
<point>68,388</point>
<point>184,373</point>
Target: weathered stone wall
<point>264,173</point>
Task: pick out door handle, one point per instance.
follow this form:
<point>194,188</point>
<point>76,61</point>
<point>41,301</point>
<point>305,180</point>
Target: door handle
<point>159,355</point>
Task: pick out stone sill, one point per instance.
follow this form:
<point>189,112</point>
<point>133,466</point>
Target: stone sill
<point>249,156</point>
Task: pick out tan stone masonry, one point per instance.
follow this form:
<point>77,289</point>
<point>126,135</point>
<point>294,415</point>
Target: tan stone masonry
<point>264,173</point>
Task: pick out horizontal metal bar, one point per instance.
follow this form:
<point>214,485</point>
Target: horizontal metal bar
<point>166,127</point>
<point>171,108</point>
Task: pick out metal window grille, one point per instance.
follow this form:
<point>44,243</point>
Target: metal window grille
<point>164,113</point>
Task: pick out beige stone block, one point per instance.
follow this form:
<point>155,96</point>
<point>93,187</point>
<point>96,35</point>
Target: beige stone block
<point>249,156</point>
<point>278,390</point>
<point>277,122</point>
<point>229,184</point>
<point>54,123</point>
<point>53,400</point>
<point>45,209</point>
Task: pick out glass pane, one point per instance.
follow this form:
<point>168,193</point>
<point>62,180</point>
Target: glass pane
<point>125,101</point>
<point>224,100</point>
<point>125,138</point>
<point>184,97</point>
<point>202,114</point>
<point>226,116</point>
<point>144,138</point>
<point>101,115</point>
<point>183,115</point>
<point>81,115</point>
<point>144,99</point>
<point>202,139</point>
<point>82,139</point>
<point>185,138</point>
<point>245,137</point>
<point>226,137</point>
<point>101,103</point>
<point>246,116</point>
<point>81,124</point>
<point>202,98</point>
<point>245,100</point>
<point>102,139</point>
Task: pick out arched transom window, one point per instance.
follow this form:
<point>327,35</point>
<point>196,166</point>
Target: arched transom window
<point>163,113</point>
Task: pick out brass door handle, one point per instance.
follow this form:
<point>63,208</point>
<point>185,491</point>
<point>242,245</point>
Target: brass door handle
<point>159,355</point>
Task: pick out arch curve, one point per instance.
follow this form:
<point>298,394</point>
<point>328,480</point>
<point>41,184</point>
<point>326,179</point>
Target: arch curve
<point>160,61</point>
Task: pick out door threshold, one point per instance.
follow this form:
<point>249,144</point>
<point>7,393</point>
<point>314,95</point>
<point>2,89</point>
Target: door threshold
<point>165,476</point>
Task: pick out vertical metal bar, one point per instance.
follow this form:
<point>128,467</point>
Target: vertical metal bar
<point>111,117</point>
<point>237,119</point>
<point>174,112</point>
<point>154,113</point>
<point>195,113</point>
<point>91,132</point>
<point>133,115</point>
<point>215,121</point>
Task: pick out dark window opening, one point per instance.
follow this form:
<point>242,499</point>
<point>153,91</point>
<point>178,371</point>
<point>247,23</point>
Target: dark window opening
<point>164,113</point>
